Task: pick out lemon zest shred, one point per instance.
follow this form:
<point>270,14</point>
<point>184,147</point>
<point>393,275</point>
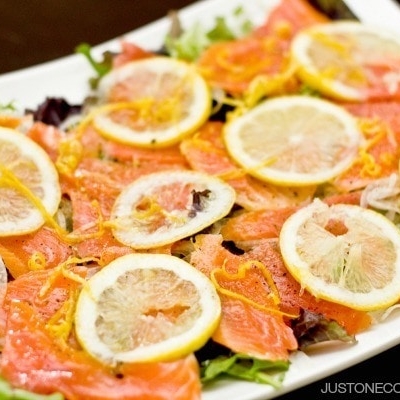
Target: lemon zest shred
<point>145,216</point>
<point>78,235</point>
<point>283,29</point>
<point>329,41</point>
<point>262,85</point>
<point>37,261</point>
<point>240,274</point>
<point>70,155</point>
<point>235,173</point>
<point>165,110</point>
<point>150,110</point>
<point>344,52</point>
<point>152,207</point>
<point>11,180</point>
<point>250,68</point>
<point>63,270</point>
<point>388,159</point>
<point>71,149</point>
<point>60,324</point>
<point>374,131</point>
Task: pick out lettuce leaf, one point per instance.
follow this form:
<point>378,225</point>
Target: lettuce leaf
<point>190,43</point>
<point>54,111</point>
<point>101,67</point>
<point>312,328</point>
<point>241,366</point>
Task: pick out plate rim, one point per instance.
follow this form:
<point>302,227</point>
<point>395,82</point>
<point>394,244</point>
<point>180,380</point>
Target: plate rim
<point>304,370</point>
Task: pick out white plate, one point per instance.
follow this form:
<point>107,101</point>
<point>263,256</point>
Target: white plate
<point>68,78</point>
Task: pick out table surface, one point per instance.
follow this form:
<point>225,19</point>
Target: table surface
<point>43,30</point>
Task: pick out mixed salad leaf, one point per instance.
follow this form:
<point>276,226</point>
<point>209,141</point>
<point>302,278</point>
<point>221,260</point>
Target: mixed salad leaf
<point>312,328</point>
<point>241,366</point>
<point>189,44</point>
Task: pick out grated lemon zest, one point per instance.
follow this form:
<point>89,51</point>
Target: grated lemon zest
<point>344,51</point>
<point>145,216</point>
<point>263,85</point>
<point>236,173</point>
<point>154,208</point>
<point>284,30</point>
<point>168,109</point>
<point>149,109</point>
<point>240,274</point>
<point>11,180</point>
<point>70,155</point>
<point>71,149</point>
<point>63,270</point>
<point>37,261</point>
<point>327,40</point>
<point>60,324</point>
<point>374,130</point>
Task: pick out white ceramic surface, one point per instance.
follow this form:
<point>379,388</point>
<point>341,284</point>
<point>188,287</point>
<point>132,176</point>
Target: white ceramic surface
<point>68,77</point>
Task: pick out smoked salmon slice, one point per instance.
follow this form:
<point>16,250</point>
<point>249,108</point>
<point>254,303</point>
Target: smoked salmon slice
<point>43,249</point>
<point>378,156</point>
<point>210,254</point>
<point>251,322</point>
<point>292,15</point>
<point>233,65</point>
<point>55,365</point>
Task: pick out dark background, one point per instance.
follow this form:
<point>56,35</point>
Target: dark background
<point>35,31</point>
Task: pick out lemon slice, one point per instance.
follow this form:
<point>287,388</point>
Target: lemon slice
<point>29,184</point>
<point>154,102</point>
<point>294,140</point>
<point>344,253</point>
<point>163,207</point>
<point>146,307</point>
<point>348,60</point>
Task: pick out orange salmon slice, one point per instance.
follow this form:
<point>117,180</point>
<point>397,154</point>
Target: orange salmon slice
<point>210,254</point>
<point>56,367</point>
<point>251,322</point>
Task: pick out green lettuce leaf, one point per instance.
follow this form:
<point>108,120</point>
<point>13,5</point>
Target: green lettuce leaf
<point>190,43</point>
<point>101,67</point>
<point>241,366</point>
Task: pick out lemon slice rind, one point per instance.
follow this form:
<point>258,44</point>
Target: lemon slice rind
<point>325,82</point>
<point>89,308</point>
<point>260,163</point>
<point>295,256</point>
<point>216,205</point>
<point>32,166</point>
<point>194,116</point>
